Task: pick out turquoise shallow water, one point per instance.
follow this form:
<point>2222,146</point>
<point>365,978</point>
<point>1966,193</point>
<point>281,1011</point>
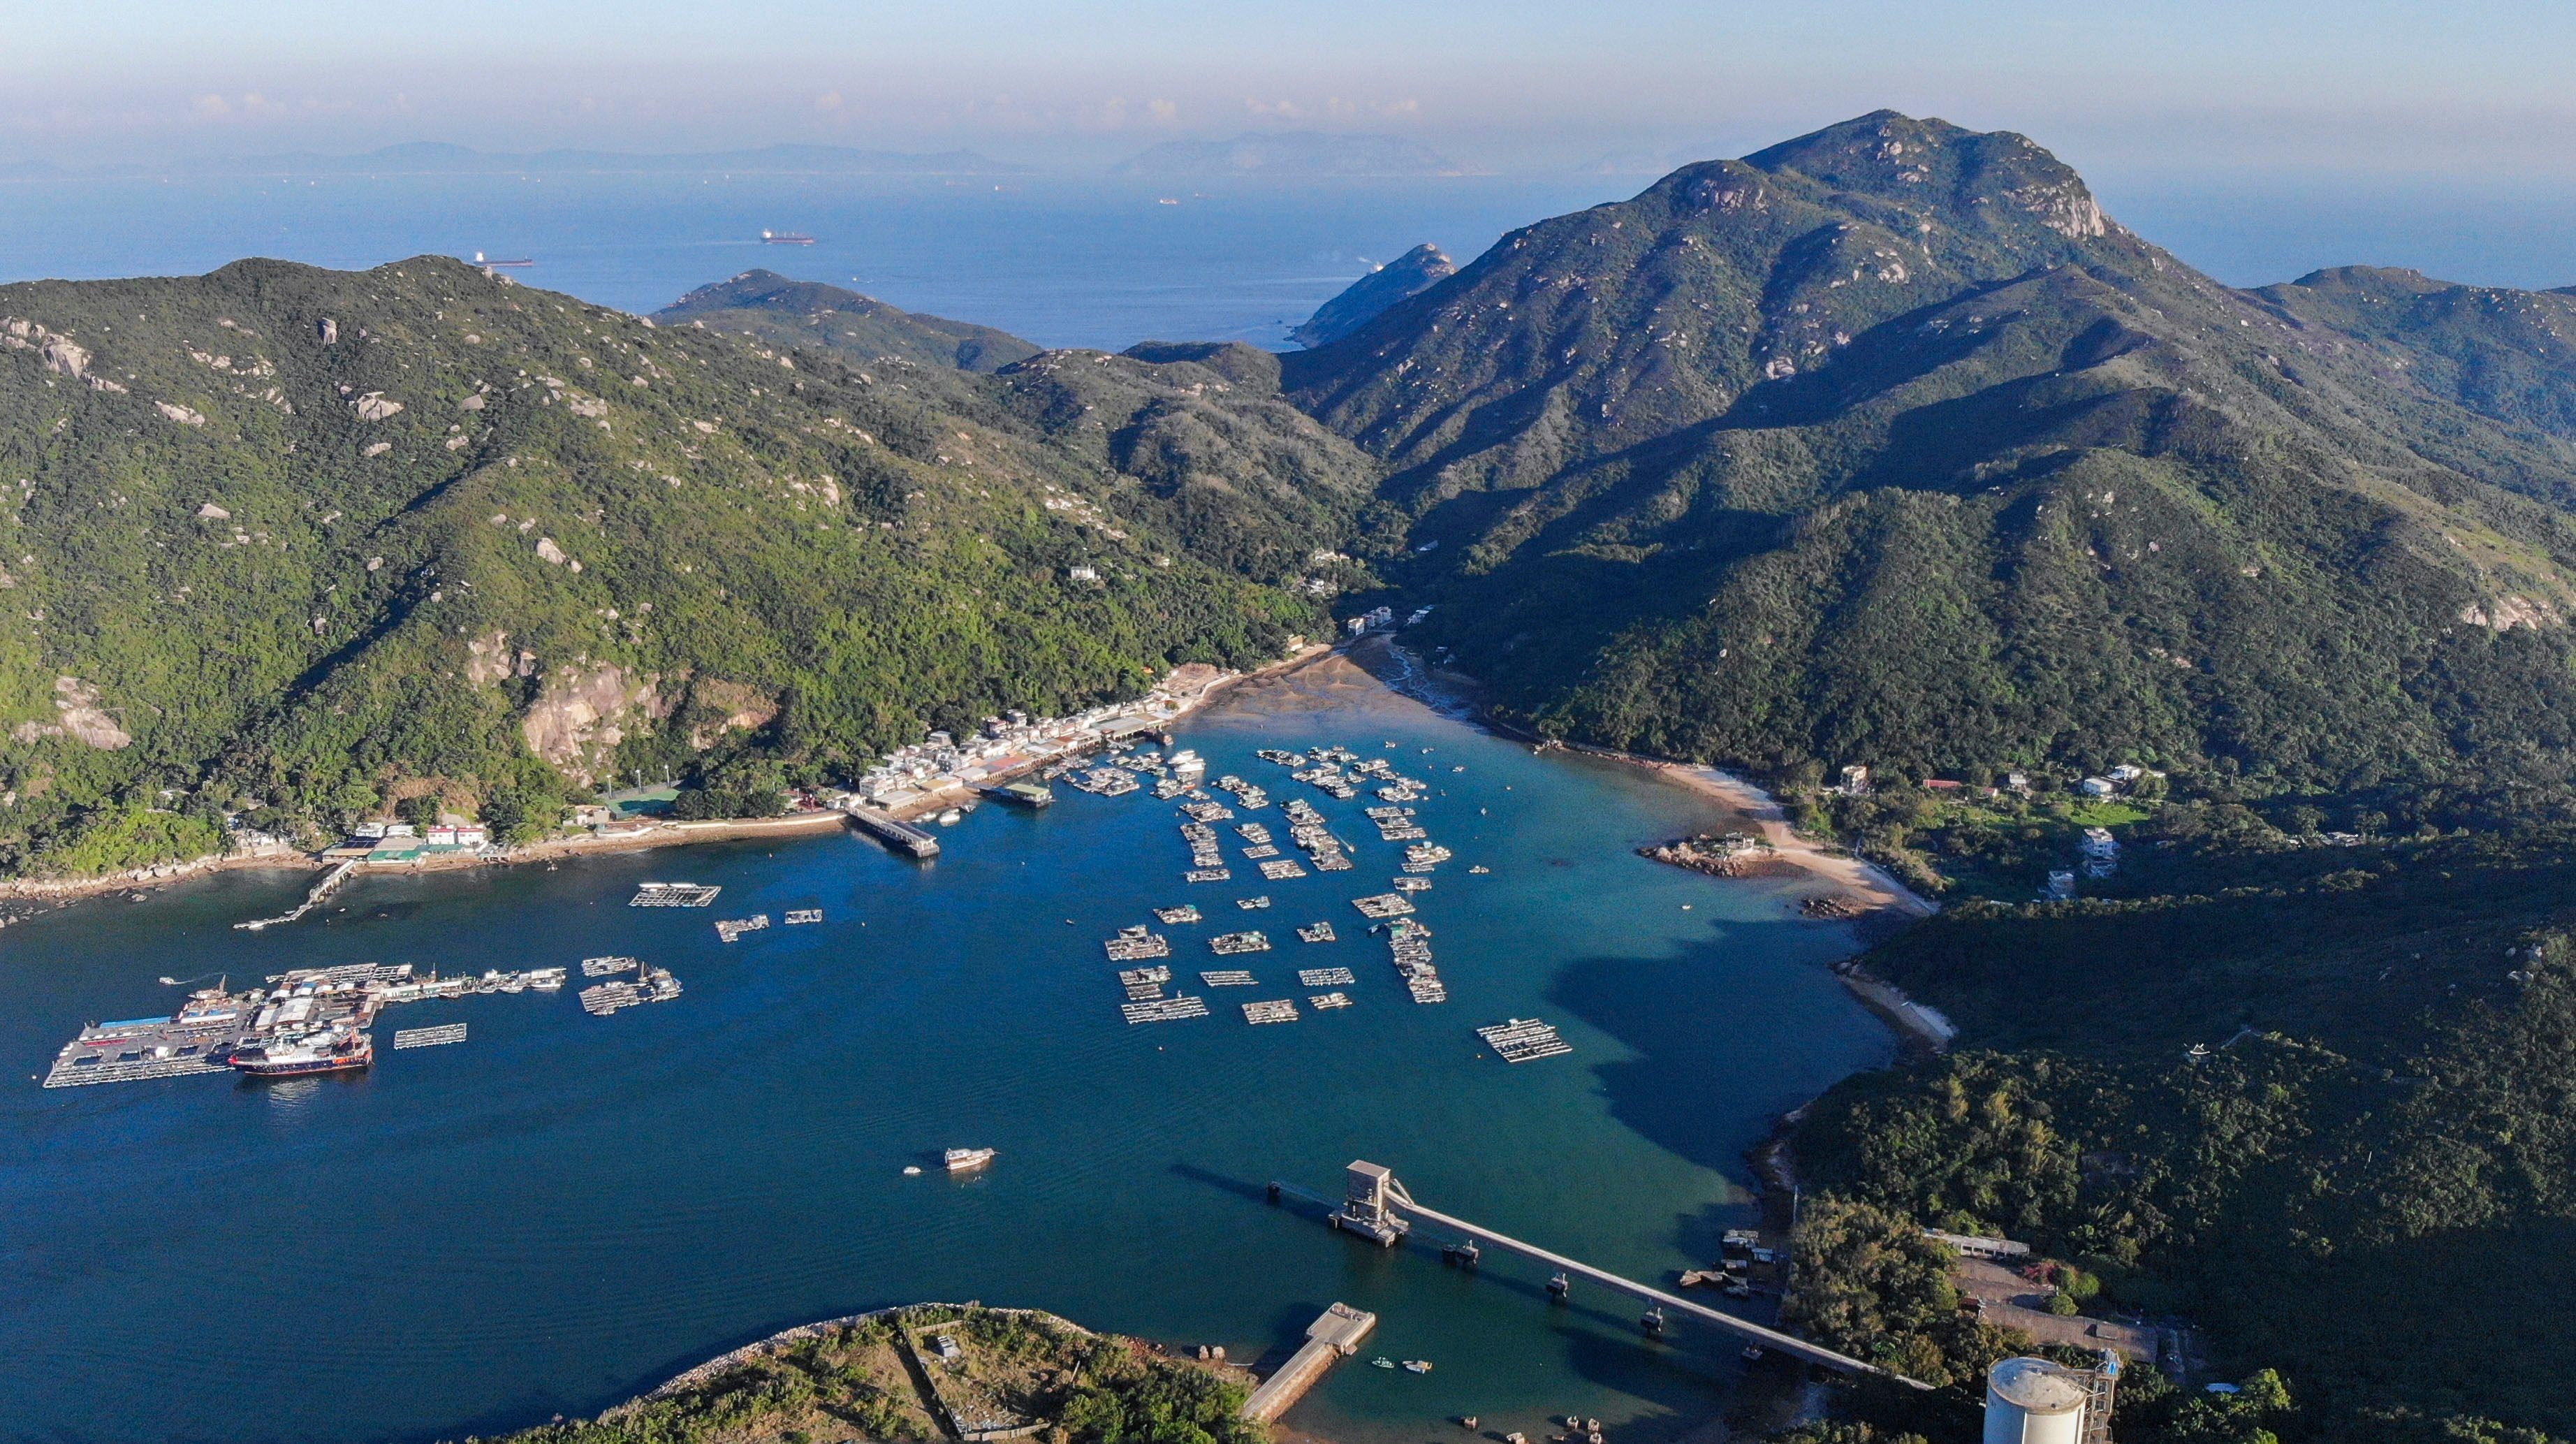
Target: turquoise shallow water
<point>566,1209</point>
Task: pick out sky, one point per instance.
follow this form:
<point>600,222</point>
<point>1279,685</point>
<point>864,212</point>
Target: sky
<point>1509,85</point>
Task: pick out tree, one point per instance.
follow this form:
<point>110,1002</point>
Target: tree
<point>2243,1417</point>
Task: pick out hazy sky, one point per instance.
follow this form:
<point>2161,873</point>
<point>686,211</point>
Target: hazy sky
<point>2247,85</point>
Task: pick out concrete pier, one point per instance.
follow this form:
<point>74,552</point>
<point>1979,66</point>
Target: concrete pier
<point>902,836</point>
<point>1333,1337</point>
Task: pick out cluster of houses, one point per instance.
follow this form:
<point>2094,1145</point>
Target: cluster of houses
<point>1855,782</point>
<point>383,842</point>
<point>1382,619</point>
<point>2100,850</point>
<point>2118,780</point>
<point>1015,742</point>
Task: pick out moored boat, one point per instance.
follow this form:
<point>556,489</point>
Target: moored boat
<point>332,1050</point>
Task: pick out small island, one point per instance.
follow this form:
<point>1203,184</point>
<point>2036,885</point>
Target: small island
<point>931,1372</point>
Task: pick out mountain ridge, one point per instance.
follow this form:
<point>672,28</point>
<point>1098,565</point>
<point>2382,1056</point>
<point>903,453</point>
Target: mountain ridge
<point>1670,469</point>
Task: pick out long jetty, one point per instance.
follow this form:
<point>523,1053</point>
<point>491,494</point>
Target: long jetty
<point>1333,1337</point>
<point>330,882</point>
<point>1392,1199</point>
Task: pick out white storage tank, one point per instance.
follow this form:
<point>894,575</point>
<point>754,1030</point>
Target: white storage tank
<point>2033,1401</point>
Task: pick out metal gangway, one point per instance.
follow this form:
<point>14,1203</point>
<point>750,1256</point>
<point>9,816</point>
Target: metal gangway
<point>1375,1204</point>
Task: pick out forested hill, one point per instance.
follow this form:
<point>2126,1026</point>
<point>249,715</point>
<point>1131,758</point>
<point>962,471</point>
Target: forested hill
<point>301,543</point>
<point>1886,445</point>
<point>782,312</point>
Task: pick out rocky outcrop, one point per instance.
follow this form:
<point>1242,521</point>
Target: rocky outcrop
<point>78,716</point>
<point>581,714</point>
<point>746,709</point>
<point>374,406</point>
<point>1733,854</point>
<point>2509,612</point>
<point>489,659</point>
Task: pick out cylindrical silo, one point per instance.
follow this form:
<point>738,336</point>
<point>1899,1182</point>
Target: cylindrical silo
<point>2032,1401</point>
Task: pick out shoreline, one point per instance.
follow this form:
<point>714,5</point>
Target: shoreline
<point>1886,905</point>
<point>63,891</point>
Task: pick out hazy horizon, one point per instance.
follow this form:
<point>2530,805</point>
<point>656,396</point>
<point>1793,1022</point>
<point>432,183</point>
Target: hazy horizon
<point>1511,87</point>
<point>2258,142</point>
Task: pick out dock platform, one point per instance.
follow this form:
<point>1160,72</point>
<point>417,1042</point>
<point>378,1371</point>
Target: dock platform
<point>1333,1337</point>
<point>903,837</point>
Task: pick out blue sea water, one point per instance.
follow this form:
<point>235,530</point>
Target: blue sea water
<point>564,1210</point>
<point>1064,262</point>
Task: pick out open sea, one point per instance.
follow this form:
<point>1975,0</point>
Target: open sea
<point>1103,261</point>
<point>564,1210</point>
<point>1062,261</point>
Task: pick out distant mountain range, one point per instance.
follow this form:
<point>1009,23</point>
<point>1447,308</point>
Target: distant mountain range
<point>440,158</point>
<point>1290,153</point>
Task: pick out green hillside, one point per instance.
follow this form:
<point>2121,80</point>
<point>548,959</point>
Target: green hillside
<point>2315,1102</point>
<point>494,545</point>
<point>1885,445</point>
<point>774,309</point>
<point>2505,354</point>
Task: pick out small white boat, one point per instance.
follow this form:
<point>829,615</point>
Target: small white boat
<point>1418,1366</point>
<point>1382,1362</point>
<point>962,1160</point>
<point>912,1170</point>
<point>951,818</point>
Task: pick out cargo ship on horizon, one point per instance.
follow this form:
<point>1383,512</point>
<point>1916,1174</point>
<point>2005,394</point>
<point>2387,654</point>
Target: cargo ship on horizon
<point>785,238</point>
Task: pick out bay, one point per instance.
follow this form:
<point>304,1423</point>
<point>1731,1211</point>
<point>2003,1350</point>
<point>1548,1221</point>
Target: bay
<point>564,1210</point>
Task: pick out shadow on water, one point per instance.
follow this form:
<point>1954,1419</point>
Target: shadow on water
<point>1672,1021</point>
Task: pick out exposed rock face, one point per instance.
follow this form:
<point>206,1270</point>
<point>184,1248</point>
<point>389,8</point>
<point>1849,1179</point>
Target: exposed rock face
<point>328,330</point>
<point>62,355</point>
<point>77,716</point>
<point>579,716</point>
<point>747,709</point>
<point>184,415</point>
<point>212,512</point>
<point>548,552</point>
<point>375,407</point>
<point>489,659</point>
<point>2509,612</point>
